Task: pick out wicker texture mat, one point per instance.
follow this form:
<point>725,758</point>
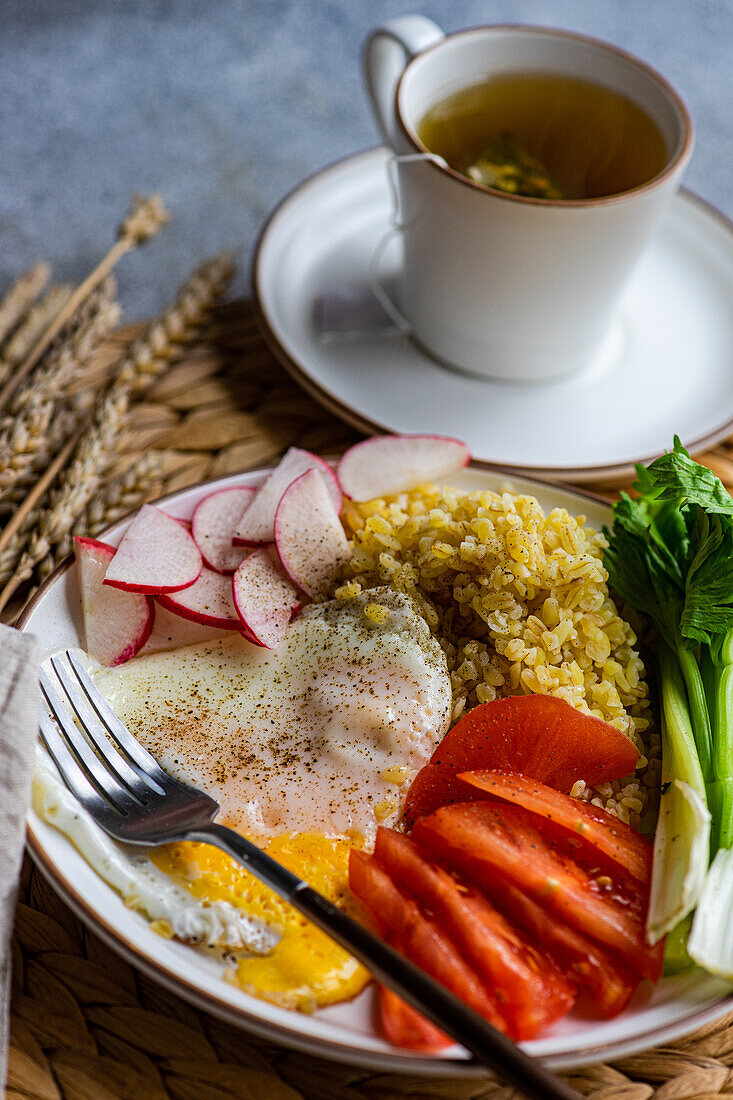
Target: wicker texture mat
<point>85,1025</point>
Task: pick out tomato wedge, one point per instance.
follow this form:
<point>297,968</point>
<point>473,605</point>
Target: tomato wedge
<point>436,785</point>
<point>481,838</point>
<point>418,937</point>
<point>604,832</point>
<point>539,736</point>
<point>402,1026</point>
<point>531,991</point>
<point>609,981</point>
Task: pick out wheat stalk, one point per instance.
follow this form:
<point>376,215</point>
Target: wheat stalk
<point>145,219</point>
<point>19,297</point>
<point>40,419</point>
<point>163,342</point>
<point>35,322</point>
<point>65,361</point>
<point>21,523</point>
<point>29,449</point>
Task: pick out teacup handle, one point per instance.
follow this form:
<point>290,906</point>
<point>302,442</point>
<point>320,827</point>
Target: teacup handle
<point>386,52</point>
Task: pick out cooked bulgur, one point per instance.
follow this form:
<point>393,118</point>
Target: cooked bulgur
<point>519,602</point>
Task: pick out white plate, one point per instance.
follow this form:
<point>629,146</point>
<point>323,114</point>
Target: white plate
<point>345,1031</point>
<point>667,366</point>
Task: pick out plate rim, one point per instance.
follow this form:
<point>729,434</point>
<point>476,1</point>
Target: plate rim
<point>331,1049</point>
<point>300,374</point>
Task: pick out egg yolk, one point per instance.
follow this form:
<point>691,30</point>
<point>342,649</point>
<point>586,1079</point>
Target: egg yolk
<point>306,968</point>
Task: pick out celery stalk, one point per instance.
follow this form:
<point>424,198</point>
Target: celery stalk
<point>670,556</point>
<point>701,725</point>
<point>720,788</point>
<point>676,957</point>
<point>710,943</point>
<point>682,840</point>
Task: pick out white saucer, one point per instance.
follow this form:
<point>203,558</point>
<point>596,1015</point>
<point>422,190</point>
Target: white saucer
<point>667,366</point>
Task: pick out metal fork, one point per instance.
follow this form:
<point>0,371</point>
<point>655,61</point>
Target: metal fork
<point>130,796</point>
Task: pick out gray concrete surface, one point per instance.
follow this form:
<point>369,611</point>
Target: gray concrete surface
<point>224,105</point>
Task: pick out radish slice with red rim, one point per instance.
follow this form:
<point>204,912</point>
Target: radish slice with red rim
<point>309,536</point>
<point>156,554</point>
<point>388,464</point>
<point>208,601</point>
<point>257,525</point>
<point>264,598</point>
<point>116,624</point>
<point>214,522</point>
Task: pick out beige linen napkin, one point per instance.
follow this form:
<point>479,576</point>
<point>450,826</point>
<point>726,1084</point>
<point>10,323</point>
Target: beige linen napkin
<point>18,729</point>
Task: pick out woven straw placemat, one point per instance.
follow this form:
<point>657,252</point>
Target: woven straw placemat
<point>85,1024</point>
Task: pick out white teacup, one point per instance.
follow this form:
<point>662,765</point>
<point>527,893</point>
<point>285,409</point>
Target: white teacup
<point>500,285</point>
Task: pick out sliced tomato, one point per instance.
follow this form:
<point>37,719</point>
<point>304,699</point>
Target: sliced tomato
<point>436,785</point>
<point>539,736</point>
<point>610,982</point>
<point>604,832</point>
<point>403,1026</point>
<point>481,838</point>
<point>418,937</point>
<point>531,991</point>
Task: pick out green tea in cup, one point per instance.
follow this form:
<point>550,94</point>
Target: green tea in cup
<point>546,136</point>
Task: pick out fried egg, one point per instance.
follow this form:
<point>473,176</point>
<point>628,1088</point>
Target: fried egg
<point>307,749</point>
<point>320,735</point>
<point>305,968</point>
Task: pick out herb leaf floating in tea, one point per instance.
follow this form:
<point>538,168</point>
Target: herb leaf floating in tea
<point>507,166</point>
<point>670,556</point>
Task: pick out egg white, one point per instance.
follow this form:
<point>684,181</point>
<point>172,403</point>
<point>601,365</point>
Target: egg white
<point>319,737</point>
<point>129,871</point>
<point>310,737</point>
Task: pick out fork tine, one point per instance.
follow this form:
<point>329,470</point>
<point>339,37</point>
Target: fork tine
<point>87,760</point>
<point>116,729</point>
<point>71,773</point>
<point>139,782</point>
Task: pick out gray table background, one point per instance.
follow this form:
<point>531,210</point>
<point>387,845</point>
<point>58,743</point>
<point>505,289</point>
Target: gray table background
<point>224,105</point>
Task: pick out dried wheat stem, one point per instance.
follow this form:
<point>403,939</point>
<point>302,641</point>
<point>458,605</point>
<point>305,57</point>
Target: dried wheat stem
<point>143,222</point>
<point>40,419</point>
<point>15,533</point>
<point>29,450</point>
<point>39,436</point>
<point>34,324</point>
<point>146,359</point>
<point>67,360</point>
<point>20,296</point>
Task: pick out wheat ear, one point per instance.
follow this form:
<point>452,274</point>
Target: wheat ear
<point>40,418</point>
<point>35,322</point>
<point>145,219</point>
<point>20,296</point>
<point>147,358</point>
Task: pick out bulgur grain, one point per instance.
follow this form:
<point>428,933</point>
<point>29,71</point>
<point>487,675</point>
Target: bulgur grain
<point>519,602</point>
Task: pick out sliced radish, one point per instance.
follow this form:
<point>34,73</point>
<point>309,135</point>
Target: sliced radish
<point>308,534</point>
<point>207,601</point>
<point>264,598</point>
<point>171,631</point>
<point>157,554</point>
<point>387,464</point>
<point>257,525</point>
<point>214,522</point>
<point>116,624</point>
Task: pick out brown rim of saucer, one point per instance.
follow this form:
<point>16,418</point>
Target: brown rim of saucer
<point>679,154</point>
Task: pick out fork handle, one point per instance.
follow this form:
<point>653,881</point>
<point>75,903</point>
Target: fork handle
<point>452,1016</point>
